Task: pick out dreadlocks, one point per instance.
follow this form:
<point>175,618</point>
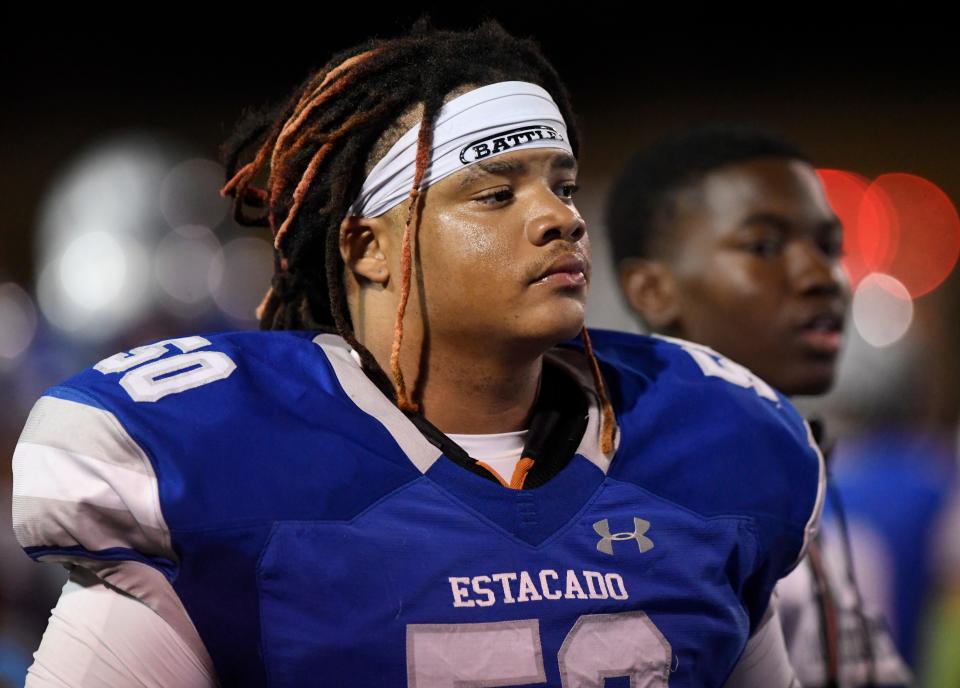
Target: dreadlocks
<point>318,143</point>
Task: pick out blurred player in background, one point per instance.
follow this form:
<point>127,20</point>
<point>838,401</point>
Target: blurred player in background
<point>423,471</point>
<point>722,235</point>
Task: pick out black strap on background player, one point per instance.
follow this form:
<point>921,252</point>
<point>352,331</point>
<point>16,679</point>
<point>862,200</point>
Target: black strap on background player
<point>557,424</point>
<point>821,585</point>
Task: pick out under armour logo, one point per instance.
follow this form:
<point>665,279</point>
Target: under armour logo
<point>606,539</point>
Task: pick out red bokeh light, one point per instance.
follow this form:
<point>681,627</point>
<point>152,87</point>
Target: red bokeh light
<point>845,192</point>
<point>899,224</point>
<point>923,232</point>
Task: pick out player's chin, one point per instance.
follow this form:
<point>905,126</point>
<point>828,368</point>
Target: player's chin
<point>559,321</point>
<point>809,378</point>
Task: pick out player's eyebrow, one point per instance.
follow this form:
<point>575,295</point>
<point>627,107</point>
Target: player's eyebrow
<point>506,168</point>
<point>767,219</point>
<point>783,225</point>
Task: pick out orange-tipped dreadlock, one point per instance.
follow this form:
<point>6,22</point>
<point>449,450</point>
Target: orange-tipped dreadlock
<point>316,98</point>
<point>424,141</point>
<point>319,144</point>
<point>608,426</point>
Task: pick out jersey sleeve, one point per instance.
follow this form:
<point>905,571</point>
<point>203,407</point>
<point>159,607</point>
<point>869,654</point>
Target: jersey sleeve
<point>777,475</point>
<point>86,494</point>
<point>84,490</point>
<point>785,531</point>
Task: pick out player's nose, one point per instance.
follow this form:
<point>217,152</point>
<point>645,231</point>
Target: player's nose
<point>813,271</point>
<point>552,217</point>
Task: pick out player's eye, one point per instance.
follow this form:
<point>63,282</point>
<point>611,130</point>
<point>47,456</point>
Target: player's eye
<point>496,196</point>
<point>764,248</point>
<point>833,249</point>
<point>567,190</point>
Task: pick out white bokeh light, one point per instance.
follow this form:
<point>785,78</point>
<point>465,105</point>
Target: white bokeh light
<point>240,279</point>
<point>110,187</point>
<point>190,194</point>
<point>56,308</point>
<point>18,321</point>
<point>182,265</point>
<point>98,222</point>
<point>882,309</point>
<point>93,270</point>
<point>98,286</point>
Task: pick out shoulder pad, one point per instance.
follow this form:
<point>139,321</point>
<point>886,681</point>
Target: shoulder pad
<point>712,435</point>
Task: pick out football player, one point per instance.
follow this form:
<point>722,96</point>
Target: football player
<point>722,235</point>
<point>423,470</point>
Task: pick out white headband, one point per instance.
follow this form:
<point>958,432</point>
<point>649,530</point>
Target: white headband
<point>478,125</point>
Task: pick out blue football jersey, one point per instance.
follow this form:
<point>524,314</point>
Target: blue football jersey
<point>296,528</point>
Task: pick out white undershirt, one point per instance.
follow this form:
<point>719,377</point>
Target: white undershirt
<point>500,450</point>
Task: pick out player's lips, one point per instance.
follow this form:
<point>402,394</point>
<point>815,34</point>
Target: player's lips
<point>823,332</point>
<point>568,270</point>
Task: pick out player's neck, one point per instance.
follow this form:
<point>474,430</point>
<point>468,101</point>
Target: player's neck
<point>469,395</point>
<point>467,391</point>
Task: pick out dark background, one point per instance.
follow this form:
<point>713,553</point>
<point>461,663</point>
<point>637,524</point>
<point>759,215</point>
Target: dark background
<point>870,98</point>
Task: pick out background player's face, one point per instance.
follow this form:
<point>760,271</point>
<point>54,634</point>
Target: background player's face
<point>757,269</point>
<point>488,235</point>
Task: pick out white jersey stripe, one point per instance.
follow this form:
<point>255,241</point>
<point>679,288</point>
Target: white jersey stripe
<point>87,430</point>
<point>371,400</point>
<point>44,522</point>
<point>813,523</point>
<point>52,473</point>
<point>78,475</point>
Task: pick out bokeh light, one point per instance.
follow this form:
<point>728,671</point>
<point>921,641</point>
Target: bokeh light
<point>93,270</point>
<point>182,265</point>
<point>922,234</point>
<point>877,234</point>
<point>98,223</point>
<point>845,191</point>
<point>241,278</point>
<point>18,321</point>
<point>900,225</point>
<point>190,194</point>
<point>882,309</point>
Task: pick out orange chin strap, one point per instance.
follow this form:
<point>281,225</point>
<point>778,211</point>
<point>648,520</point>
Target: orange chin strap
<point>520,473</point>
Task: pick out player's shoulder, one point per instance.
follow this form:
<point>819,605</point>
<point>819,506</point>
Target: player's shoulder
<point>686,411</point>
<point>196,432</point>
<point>157,370</point>
<point>194,391</point>
<point>680,373</point>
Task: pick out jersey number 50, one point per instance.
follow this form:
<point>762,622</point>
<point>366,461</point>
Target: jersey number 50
<point>508,653</point>
<point>168,375</point>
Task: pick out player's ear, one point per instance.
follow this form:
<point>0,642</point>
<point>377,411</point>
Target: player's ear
<point>363,247</point>
<point>650,288</point>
